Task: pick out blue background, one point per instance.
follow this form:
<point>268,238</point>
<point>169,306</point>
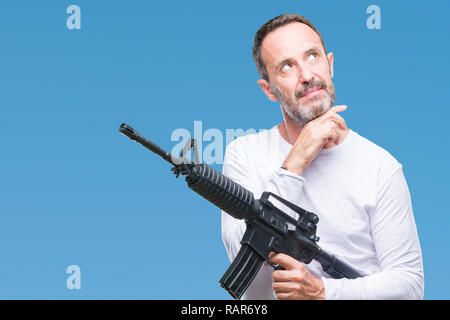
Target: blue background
<point>75,191</point>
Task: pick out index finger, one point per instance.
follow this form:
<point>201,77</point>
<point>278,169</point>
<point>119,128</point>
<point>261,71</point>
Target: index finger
<point>338,108</point>
<point>285,261</point>
<point>332,114</point>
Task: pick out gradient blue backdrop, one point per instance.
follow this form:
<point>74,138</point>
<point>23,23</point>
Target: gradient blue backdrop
<point>75,191</point>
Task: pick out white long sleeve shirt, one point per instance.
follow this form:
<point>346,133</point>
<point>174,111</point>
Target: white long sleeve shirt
<point>359,192</point>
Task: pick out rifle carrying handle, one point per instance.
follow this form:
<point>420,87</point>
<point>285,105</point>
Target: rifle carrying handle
<point>242,271</point>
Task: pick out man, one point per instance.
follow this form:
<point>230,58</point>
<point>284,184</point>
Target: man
<point>313,160</point>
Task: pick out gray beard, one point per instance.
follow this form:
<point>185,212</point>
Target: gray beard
<point>302,114</point>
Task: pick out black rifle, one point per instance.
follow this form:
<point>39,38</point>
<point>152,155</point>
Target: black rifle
<point>268,228</point>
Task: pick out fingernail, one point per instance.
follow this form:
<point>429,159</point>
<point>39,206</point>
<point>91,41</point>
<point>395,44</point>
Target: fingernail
<point>271,254</point>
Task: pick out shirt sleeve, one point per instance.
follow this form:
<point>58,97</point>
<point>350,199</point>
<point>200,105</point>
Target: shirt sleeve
<point>397,246</point>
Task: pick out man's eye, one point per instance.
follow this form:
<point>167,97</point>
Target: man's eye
<point>286,67</point>
<point>313,56</point>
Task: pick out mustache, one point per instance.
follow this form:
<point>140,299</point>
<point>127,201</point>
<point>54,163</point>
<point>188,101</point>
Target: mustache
<point>315,84</point>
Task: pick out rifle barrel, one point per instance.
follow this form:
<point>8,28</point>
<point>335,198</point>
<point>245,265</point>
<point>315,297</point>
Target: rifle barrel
<point>136,136</point>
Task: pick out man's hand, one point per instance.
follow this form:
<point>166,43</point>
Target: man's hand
<point>326,131</point>
<point>296,282</point>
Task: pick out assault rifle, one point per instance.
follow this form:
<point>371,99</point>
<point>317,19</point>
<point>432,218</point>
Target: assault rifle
<point>268,227</point>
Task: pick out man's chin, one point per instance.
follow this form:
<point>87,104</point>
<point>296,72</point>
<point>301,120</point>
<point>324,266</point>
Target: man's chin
<point>316,108</point>
<point>311,112</point>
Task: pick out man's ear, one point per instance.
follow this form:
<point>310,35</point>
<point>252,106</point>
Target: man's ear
<point>330,63</point>
<point>264,84</point>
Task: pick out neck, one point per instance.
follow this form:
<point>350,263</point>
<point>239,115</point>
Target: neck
<point>289,130</point>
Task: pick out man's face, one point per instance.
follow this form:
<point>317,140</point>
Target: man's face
<point>299,72</point>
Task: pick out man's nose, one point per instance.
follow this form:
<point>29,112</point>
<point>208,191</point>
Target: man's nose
<point>305,74</point>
